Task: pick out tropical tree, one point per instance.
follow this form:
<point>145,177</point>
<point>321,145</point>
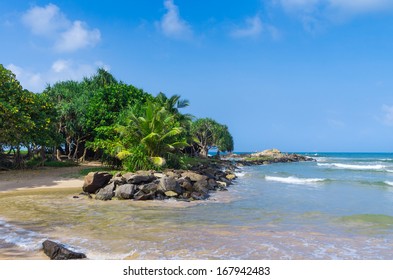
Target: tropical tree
<point>209,134</point>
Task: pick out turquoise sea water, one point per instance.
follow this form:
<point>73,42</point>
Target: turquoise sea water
<point>338,207</point>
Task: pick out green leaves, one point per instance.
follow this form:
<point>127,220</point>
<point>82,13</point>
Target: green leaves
<point>207,133</point>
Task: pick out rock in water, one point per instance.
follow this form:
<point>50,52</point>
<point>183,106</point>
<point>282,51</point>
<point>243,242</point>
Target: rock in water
<point>56,251</point>
<point>169,184</point>
<point>106,193</point>
<point>125,191</point>
<point>95,181</point>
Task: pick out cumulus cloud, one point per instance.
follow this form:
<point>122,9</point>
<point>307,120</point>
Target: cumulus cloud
<point>253,28</point>
<point>67,35</point>
<point>45,20</point>
<point>172,25</point>
<point>60,70</point>
<point>388,115</point>
<point>77,37</point>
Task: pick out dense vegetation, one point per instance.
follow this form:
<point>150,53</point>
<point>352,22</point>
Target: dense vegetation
<point>100,118</point>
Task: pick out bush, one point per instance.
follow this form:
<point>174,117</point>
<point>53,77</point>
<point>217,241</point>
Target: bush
<point>138,160</point>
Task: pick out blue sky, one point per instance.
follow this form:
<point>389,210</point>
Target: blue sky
<point>298,75</point>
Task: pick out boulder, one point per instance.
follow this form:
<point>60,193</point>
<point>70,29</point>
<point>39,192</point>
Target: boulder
<point>171,194</point>
<point>186,184</point>
<point>169,184</point>
<point>194,177</point>
<point>201,186</point>
<point>57,251</point>
<point>107,192</point>
<point>221,184</point>
<point>140,178</point>
<point>125,191</point>
<point>95,181</point>
<point>224,179</point>
<point>140,195</point>
<point>212,184</point>
<point>198,196</point>
<point>230,176</point>
<point>150,187</point>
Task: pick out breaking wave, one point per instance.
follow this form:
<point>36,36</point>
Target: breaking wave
<point>295,180</point>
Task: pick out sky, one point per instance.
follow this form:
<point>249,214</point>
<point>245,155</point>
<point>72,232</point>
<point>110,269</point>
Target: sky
<point>297,75</point>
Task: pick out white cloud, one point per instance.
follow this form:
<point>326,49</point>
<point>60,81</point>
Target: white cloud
<point>60,70</point>
<point>77,37</point>
<point>45,20</point>
<point>172,25</point>
<point>253,28</point>
<point>29,80</point>
<point>67,35</point>
<point>388,115</point>
<point>315,13</point>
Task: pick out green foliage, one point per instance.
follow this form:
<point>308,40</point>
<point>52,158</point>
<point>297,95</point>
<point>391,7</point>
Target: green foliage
<point>118,122</point>
<point>138,160</point>
<point>208,133</point>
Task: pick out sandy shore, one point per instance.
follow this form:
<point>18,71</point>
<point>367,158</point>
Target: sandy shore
<point>46,177</point>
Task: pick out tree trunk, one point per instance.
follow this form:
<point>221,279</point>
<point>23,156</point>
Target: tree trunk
<point>204,152</point>
<point>82,158</point>
<point>58,155</point>
<point>69,146</point>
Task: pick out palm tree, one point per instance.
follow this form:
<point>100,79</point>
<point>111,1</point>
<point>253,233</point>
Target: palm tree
<point>157,131</point>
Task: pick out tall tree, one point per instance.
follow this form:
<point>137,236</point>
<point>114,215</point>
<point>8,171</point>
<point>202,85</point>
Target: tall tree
<point>209,134</point>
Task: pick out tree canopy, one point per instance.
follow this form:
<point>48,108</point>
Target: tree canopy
<point>102,118</point>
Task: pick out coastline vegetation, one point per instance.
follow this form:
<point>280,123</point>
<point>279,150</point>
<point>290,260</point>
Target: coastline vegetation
<point>101,118</point>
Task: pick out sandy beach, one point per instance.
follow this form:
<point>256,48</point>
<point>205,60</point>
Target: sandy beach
<point>45,177</point>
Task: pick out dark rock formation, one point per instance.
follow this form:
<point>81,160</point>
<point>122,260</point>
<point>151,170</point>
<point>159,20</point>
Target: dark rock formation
<point>56,251</point>
<point>107,192</point>
<point>125,191</point>
<point>95,181</point>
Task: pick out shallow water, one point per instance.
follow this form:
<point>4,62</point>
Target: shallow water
<point>280,211</point>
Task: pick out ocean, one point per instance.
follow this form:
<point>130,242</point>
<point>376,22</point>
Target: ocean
<point>338,207</point>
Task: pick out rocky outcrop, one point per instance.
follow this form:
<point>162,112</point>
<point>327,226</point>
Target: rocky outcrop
<point>268,157</point>
<point>195,184</point>
<point>57,251</point>
<point>95,181</point>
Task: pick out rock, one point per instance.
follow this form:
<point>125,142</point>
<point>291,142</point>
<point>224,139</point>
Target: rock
<point>169,184</point>
<point>223,179</point>
<point>186,184</point>
<point>194,177</point>
<point>106,193</point>
<point>198,196</point>
<point>221,184</point>
<point>230,176</point>
<point>138,179</point>
<point>171,194</point>
<point>159,175</point>
<point>95,181</point>
<point>150,187</point>
<point>171,174</point>
<point>201,186</point>
<point>212,184</point>
<point>140,195</point>
<point>127,176</point>
<point>56,251</point>
<point>125,191</point>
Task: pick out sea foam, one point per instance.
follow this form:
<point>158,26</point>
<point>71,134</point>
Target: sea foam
<point>294,180</point>
<point>377,167</point>
<point>23,238</point>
